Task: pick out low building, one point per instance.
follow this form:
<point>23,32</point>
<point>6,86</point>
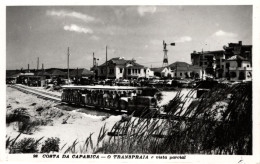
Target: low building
<point>81,72</point>
<point>118,67</point>
<point>148,72</point>
<point>185,70</point>
<point>162,72</point>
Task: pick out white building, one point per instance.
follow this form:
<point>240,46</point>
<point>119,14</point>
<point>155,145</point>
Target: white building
<point>118,67</point>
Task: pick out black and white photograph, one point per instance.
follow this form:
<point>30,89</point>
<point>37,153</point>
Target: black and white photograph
<point>125,82</point>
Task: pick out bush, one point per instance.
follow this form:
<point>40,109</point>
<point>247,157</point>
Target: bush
<point>26,145</point>
<point>198,129</point>
<point>50,145</point>
<point>29,126</point>
<point>18,114</point>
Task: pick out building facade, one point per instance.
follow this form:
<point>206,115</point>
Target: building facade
<point>185,70</point>
<point>117,68</point>
<point>232,63</point>
<point>162,72</point>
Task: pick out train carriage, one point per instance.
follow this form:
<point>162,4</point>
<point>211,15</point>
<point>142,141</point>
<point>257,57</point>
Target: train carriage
<point>130,99</point>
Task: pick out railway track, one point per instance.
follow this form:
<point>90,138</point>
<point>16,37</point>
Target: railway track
<point>57,99</point>
<point>39,94</point>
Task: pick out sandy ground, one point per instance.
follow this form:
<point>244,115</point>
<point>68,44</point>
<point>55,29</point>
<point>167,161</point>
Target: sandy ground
<point>78,126</point>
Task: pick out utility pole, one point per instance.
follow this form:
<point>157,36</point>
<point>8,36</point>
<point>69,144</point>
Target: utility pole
<point>95,64</point>
<point>93,60</point>
<point>202,64</point>
<point>37,64</point>
<point>28,68</point>
<point>68,64</point>
<point>106,65</point>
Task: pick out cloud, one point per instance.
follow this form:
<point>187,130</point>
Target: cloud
<point>94,37</point>
<point>184,39</point>
<point>142,10</point>
<point>76,28</point>
<point>71,14</point>
<point>220,33</point>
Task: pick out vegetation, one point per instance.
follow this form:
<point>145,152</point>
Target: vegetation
<point>220,122</point>
<point>25,145</point>
<point>24,121</point>
<point>50,145</point>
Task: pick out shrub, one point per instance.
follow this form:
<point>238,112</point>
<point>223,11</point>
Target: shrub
<point>29,126</point>
<point>199,128</point>
<point>26,145</point>
<point>50,145</point>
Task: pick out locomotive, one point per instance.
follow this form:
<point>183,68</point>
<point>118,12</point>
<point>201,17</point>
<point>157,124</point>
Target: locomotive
<point>133,100</point>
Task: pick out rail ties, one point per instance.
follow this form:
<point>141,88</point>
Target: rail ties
<point>39,94</point>
<point>46,93</point>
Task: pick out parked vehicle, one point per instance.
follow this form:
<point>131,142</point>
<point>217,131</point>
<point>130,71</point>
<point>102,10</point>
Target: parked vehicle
<point>123,82</point>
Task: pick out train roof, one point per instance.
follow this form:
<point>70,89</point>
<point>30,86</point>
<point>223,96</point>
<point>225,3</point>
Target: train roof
<point>103,87</point>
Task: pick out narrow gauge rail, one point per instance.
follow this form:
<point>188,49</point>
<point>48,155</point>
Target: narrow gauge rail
<point>39,94</point>
<point>35,90</point>
<point>115,98</point>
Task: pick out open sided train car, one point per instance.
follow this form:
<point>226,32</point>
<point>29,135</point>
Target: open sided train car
<point>139,100</point>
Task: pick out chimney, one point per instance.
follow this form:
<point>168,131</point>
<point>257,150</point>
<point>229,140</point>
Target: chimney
<point>240,43</point>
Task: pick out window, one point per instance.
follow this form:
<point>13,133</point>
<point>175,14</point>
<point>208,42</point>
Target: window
<point>227,65</point>
<point>129,71</point>
<point>102,71</point>
<point>223,60</point>
<point>233,74</point>
<point>175,74</point>
<point>139,71</point>
<point>247,65</point>
<point>239,63</point>
<point>181,74</point>
<point>111,71</point>
<point>121,70</point>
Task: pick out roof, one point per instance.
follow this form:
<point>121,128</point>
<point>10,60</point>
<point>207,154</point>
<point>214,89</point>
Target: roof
<point>57,72</point>
<point>121,61</point>
<point>160,69</point>
<point>12,72</point>
<point>236,57</point>
<point>179,64</point>
<point>41,73</point>
<point>81,72</point>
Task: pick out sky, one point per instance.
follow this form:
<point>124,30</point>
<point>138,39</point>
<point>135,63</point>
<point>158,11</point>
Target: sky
<point>132,32</point>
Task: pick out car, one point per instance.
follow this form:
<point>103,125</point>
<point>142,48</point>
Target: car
<point>123,82</point>
<point>168,82</point>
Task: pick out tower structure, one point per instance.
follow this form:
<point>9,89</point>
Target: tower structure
<point>165,57</point>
